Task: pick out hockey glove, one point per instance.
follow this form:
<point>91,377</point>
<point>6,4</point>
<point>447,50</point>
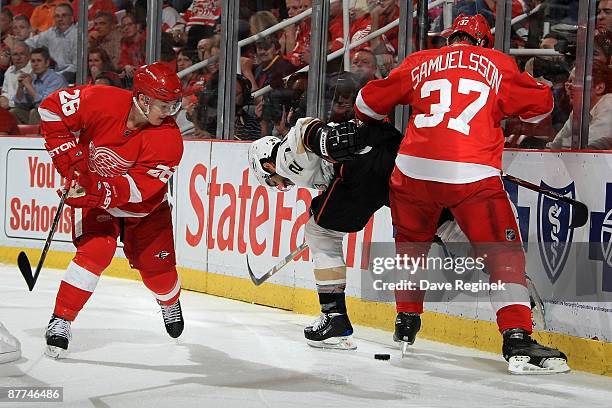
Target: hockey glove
<point>66,154</point>
<point>91,190</point>
<point>336,142</point>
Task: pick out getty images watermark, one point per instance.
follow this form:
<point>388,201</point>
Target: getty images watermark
<point>408,265</point>
<point>444,271</point>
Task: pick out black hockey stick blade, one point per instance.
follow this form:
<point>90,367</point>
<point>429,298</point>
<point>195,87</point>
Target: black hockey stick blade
<point>580,213</point>
<point>22,259</point>
<point>26,270</point>
<point>254,279</point>
<point>258,281</point>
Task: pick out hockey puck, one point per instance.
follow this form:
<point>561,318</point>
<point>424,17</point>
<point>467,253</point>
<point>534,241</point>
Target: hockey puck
<point>382,356</point>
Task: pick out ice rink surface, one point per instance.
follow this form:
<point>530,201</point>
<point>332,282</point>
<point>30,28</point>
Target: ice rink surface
<point>234,354</point>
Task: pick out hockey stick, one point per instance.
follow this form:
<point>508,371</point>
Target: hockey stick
<point>537,306</point>
<point>581,211</point>
<point>22,259</point>
<point>277,267</point>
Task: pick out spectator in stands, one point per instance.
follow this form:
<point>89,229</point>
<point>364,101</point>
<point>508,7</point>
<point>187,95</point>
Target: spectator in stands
<point>262,20</point>
<point>363,64</point>
<point>20,30</point>
<point>20,57</point>
<point>341,94</point>
<point>383,12</point>
<point>20,8</point>
<point>246,126</point>
<point>98,61</point>
<point>94,6</point>
<point>271,66</point>
<point>271,69</point>
<point>171,20</point>
<point>104,35</point>
<point>604,15</point>
<point>8,124</point>
<point>212,54</point>
<point>195,81</point>
<point>600,124</point>
<point>300,54</point>
<point>108,78</point>
<point>35,87</point>
<point>287,40</point>
<point>548,42</point>
<point>602,49</point>
<point>42,16</point>
<point>359,26</point>
<point>61,41</point>
<point>6,18</point>
<point>133,43</point>
<point>201,20</point>
<point>204,46</point>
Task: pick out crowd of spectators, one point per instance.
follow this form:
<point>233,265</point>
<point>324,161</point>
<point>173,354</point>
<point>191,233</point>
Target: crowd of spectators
<point>38,55</point>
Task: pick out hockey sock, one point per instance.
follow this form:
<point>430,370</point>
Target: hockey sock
<point>514,317</point>
<point>409,301</point>
<point>332,302</point>
<point>165,286</point>
<point>69,301</point>
<point>76,288</point>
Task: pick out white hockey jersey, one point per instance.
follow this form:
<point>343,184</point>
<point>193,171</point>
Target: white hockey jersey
<point>302,167</point>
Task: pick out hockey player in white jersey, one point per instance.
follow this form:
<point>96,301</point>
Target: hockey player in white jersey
<point>351,165</point>
<point>10,348</point>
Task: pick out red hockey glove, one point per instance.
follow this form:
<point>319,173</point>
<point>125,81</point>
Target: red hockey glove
<point>66,154</point>
<point>92,191</point>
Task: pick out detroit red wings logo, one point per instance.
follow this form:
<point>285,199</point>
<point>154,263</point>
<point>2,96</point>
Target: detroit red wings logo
<point>106,162</point>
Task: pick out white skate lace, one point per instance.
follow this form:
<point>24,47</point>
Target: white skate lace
<point>59,327</point>
<point>320,322</point>
<point>172,313</point>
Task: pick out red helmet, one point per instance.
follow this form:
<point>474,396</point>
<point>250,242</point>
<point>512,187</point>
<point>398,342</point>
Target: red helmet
<point>157,81</point>
<point>475,26</point>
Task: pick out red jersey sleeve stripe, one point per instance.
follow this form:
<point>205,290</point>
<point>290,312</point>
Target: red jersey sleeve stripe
<point>135,195</point>
<point>48,116</point>
<point>363,108</point>
<point>535,119</point>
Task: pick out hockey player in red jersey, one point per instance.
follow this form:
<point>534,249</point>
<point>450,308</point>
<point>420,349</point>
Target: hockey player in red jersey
<point>127,149</point>
<point>451,157</point>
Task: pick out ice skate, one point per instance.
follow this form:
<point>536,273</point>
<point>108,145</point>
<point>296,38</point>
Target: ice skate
<point>58,336</point>
<point>331,331</point>
<point>10,348</point>
<point>526,356</point>
<point>173,318</point>
<point>407,325</point>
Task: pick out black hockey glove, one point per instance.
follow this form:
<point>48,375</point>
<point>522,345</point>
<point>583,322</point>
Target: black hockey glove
<point>337,142</point>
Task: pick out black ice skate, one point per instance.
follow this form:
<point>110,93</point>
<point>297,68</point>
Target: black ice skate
<point>173,318</point>
<point>526,356</point>
<point>330,330</point>
<point>407,325</point>
<point>58,336</point>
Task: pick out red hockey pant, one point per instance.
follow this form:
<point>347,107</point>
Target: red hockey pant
<point>148,245</point>
<point>484,213</point>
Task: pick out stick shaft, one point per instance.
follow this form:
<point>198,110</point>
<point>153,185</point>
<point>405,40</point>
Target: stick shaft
<point>277,267</point>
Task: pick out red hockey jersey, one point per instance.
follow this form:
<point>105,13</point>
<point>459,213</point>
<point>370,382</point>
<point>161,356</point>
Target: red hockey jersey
<point>144,159</point>
<point>458,95</point>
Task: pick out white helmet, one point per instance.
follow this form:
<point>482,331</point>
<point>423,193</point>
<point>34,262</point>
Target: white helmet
<point>259,150</point>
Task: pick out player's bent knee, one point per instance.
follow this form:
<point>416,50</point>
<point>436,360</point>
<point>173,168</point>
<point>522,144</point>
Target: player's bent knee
<point>95,253</point>
<point>325,246</point>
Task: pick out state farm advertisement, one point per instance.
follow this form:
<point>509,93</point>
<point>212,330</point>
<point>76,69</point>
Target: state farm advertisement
<point>225,215</point>
<point>30,196</point>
